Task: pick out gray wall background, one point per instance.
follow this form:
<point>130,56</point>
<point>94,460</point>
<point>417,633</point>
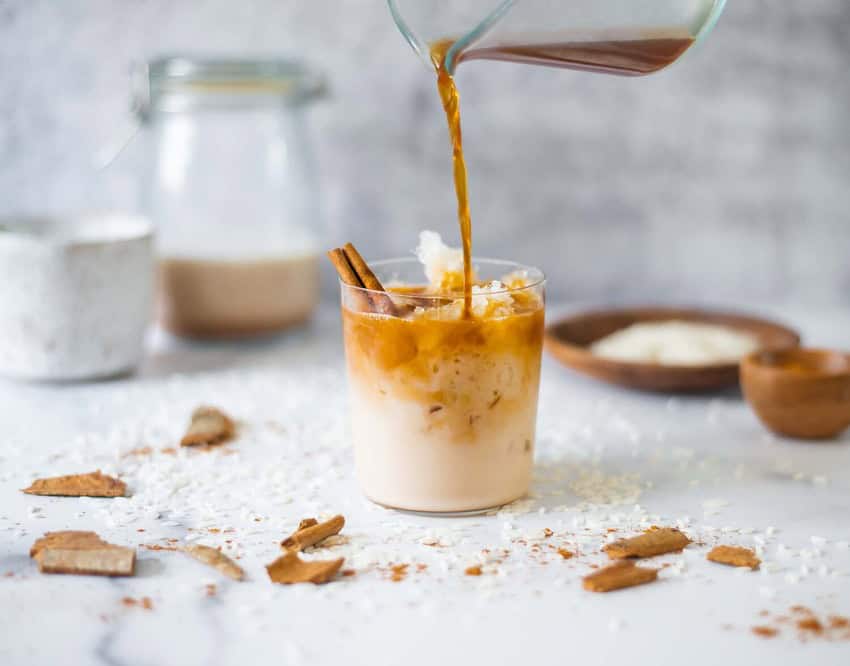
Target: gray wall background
<point>726,178</point>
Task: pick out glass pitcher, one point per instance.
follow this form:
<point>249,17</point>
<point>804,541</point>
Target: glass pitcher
<point>233,193</point>
<point>612,36</point>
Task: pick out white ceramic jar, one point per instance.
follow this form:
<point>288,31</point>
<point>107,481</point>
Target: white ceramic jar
<point>75,295</point>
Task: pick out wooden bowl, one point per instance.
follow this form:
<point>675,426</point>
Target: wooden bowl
<point>801,393</point>
<point>568,340</point>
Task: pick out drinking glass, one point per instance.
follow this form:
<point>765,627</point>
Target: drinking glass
<point>443,407</point>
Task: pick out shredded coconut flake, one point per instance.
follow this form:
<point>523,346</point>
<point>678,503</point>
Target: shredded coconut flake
<point>676,343</point>
<point>491,301</point>
<point>443,264</point>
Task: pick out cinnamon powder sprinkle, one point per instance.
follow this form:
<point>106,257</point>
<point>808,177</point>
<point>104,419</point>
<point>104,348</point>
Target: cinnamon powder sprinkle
<point>765,632</point>
<point>144,602</point>
<point>473,571</point>
<point>398,572</point>
<point>838,622</point>
<point>156,546</point>
<point>566,554</point>
<point>141,451</point>
<point>810,624</point>
<point>802,610</point>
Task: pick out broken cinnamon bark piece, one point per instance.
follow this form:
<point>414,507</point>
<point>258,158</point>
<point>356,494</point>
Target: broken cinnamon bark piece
<point>67,539</point>
<point>94,484</point>
<point>655,541</point>
<point>209,426</point>
<point>735,556</point>
<point>72,552</point>
<point>114,561</point>
<point>216,559</point>
<point>618,576</point>
<point>289,569</point>
<point>310,532</point>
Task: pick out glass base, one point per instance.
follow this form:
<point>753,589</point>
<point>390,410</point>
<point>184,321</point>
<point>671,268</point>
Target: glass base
<point>445,514</point>
<point>440,514</point>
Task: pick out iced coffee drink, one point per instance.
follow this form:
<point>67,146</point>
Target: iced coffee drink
<point>443,390</point>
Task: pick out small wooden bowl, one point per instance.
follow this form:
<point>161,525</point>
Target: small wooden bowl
<point>801,393</point>
<point>568,340</point>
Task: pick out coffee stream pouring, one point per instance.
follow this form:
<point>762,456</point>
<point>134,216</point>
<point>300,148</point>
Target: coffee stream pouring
<point>610,36</point>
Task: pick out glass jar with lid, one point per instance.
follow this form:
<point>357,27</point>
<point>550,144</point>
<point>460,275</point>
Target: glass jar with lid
<point>233,193</point>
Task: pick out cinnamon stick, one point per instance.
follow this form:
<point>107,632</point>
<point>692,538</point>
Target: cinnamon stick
<point>355,272</point>
<point>381,303</point>
<point>369,279</point>
<point>344,269</point>
<point>349,277</point>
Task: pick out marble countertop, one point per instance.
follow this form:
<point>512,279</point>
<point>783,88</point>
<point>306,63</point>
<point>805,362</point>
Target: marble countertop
<point>607,459</point>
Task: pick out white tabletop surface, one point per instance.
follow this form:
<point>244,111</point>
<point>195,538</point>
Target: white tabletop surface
<point>606,458</point>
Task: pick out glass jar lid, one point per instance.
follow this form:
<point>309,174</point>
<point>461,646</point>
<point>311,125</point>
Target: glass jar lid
<point>186,83</point>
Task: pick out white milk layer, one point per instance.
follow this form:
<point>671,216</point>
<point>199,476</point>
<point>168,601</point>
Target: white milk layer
<point>408,458</point>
